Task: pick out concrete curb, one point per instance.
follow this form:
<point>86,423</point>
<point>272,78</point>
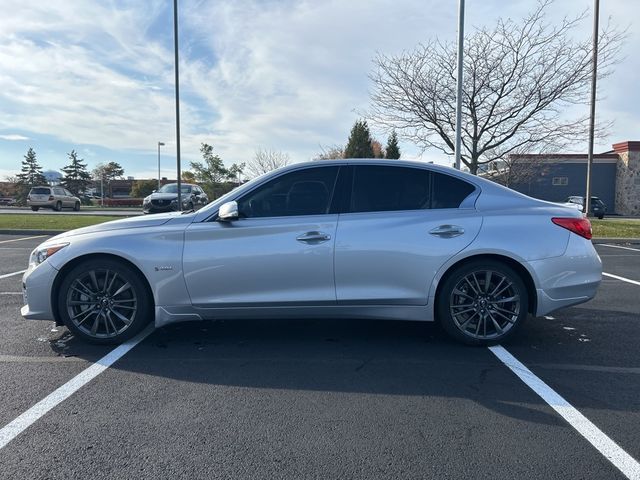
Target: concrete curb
<point>31,232</point>
<point>615,240</point>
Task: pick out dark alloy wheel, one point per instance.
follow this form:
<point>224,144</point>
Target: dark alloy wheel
<point>104,301</point>
<point>76,207</point>
<point>35,209</point>
<point>58,207</point>
<point>482,303</point>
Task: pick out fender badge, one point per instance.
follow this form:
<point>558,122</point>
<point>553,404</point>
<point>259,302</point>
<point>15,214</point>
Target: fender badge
<point>163,268</point>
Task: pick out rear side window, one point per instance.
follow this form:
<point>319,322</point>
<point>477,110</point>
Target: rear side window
<point>304,192</point>
<point>383,188</point>
<point>40,191</point>
<point>448,191</point>
<point>58,191</point>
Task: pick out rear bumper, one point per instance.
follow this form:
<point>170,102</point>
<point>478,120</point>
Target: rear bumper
<point>36,289</point>
<point>567,280</point>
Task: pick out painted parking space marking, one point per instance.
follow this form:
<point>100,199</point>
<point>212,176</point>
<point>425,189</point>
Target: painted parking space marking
<point>619,246</point>
<point>33,414</point>
<point>23,238</point>
<point>10,293</point>
<point>623,279</point>
<point>624,462</point>
<point>7,275</point>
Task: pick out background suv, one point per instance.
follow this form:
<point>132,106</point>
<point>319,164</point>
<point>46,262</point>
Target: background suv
<point>166,199</point>
<point>56,198</point>
<point>597,207</point>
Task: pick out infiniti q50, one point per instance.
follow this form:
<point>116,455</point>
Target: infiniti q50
<point>344,239</point>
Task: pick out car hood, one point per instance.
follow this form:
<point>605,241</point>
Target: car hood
<point>166,196</point>
<point>132,222</point>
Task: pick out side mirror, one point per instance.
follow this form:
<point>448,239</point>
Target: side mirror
<point>228,212</point>
<point>154,191</point>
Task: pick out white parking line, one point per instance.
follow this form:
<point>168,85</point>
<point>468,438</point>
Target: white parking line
<point>10,293</point>
<point>17,426</point>
<point>628,280</point>
<point>619,246</point>
<point>624,462</point>
<point>23,238</point>
<point>7,275</point>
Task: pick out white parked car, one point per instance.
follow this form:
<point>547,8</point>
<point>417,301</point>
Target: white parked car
<point>370,239</point>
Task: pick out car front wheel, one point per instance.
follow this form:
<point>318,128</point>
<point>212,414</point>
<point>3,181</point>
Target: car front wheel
<point>104,301</point>
<point>482,302</point>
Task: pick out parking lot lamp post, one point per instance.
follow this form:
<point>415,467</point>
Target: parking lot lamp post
<point>592,111</point>
<point>458,139</point>
<point>160,144</point>
<point>175,51</point>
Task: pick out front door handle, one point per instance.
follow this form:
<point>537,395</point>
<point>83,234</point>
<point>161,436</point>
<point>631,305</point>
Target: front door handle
<point>314,237</point>
<point>447,231</point>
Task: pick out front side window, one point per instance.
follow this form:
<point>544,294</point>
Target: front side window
<point>304,192</point>
<point>384,188</point>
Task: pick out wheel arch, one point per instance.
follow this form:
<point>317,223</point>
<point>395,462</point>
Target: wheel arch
<point>92,256</point>
<point>526,276</point>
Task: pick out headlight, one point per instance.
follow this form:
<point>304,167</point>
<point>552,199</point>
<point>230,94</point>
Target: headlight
<point>40,254</point>
<point>147,199</point>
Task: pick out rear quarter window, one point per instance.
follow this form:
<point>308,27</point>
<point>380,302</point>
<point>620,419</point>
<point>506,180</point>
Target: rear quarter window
<point>448,191</point>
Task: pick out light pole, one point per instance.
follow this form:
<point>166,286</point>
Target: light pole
<point>458,141</point>
<point>160,144</point>
<point>175,48</point>
<point>592,112</point>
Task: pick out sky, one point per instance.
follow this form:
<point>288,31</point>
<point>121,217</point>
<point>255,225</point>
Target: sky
<point>98,76</point>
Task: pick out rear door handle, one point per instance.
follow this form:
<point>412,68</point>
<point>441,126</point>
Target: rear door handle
<point>447,231</point>
<point>314,237</point>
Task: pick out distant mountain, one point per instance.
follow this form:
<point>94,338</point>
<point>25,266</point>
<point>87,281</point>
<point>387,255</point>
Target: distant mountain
<point>53,176</point>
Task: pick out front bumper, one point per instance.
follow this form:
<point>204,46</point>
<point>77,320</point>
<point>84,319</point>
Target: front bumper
<point>37,283</point>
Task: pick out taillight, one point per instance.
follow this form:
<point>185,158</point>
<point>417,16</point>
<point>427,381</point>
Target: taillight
<point>580,226</point>
<point>51,198</point>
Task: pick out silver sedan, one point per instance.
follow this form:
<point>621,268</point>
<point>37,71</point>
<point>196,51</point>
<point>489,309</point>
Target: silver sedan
<point>367,239</point>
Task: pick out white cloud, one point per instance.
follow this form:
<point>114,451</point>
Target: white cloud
<point>13,137</point>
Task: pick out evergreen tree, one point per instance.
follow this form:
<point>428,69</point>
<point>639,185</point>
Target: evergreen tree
<point>30,175</point>
<point>359,144</point>
<point>393,150</point>
<point>76,177</point>
<point>31,172</point>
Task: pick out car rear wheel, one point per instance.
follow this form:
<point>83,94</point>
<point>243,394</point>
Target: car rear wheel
<point>76,207</point>
<point>482,303</point>
<point>35,209</point>
<point>104,301</point>
<point>58,207</point>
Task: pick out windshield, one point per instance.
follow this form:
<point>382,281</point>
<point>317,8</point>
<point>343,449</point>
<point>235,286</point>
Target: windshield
<point>173,188</point>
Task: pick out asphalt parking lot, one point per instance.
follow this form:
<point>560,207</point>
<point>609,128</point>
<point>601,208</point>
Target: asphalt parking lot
<point>330,399</point>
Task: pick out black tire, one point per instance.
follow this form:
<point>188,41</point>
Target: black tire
<point>476,313</point>
<point>35,209</point>
<point>96,317</point>
<point>600,217</point>
<point>58,207</point>
<point>190,206</point>
<point>76,207</point>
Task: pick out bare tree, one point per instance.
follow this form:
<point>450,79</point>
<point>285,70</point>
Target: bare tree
<point>265,161</point>
<point>521,80</point>
<point>330,153</point>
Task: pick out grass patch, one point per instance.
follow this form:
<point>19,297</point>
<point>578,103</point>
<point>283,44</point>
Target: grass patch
<point>50,222</point>
<point>616,228</point>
